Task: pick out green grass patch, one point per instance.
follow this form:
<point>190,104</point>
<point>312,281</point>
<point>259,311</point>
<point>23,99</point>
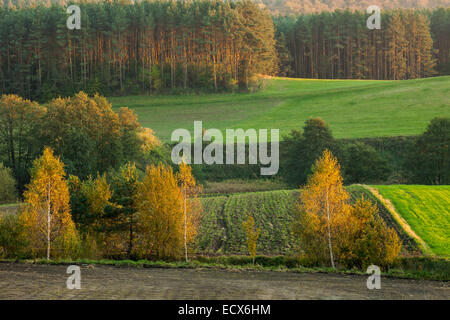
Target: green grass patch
<point>426,209</point>
<point>353,108</point>
<point>411,268</point>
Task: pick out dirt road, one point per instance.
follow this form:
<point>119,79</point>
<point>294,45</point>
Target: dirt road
<point>26,281</point>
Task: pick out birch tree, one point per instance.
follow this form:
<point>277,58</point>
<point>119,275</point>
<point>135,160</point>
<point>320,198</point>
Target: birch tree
<point>47,218</point>
<point>324,207</point>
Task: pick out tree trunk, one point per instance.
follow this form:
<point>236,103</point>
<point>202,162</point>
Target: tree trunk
<point>48,222</point>
<point>329,233</point>
<point>185,227</point>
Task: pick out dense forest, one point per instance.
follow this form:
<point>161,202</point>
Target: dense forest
<point>339,45</point>
<point>146,47</point>
<point>206,45</point>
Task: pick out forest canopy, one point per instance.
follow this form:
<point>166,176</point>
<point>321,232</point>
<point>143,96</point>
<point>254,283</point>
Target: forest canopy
<point>338,45</point>
<point>147,47</point>
<point>168,46</point>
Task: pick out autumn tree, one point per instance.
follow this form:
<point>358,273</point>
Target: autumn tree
<point>191,204</point>
<point>13,239</point>
<point>324,207</point>
<point>252,234</point>
<point>159,203</point>
<point>355,234</point>
<point>366,239</point>
<point>47,218</point>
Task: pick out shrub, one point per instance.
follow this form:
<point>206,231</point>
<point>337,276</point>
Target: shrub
<point>302,149</point>
<point>13,243</point>
<point>363,164</point>
<point>366,239</point>
<point>7,185</point>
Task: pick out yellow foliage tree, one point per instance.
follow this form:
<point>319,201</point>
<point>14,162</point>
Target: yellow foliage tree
<point>366,239</point>
<point>47,218</point>
<point>98,194</point>
<point>191,204</point>
<point>148,139</point>
<point>324,208</point>
<point>355,235</point>
<point>252,235</point>
<point>160,214</point>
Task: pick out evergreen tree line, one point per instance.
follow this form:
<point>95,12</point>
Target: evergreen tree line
<point>338,45</point>
<point>206,45</point>
<point>150,46</point>
<point>278,7</point>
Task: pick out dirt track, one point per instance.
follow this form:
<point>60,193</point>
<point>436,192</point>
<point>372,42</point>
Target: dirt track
<point>26,281</point>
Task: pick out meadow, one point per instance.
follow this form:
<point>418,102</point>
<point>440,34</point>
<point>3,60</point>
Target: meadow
<point>352,108</point>
<point>426,209</point>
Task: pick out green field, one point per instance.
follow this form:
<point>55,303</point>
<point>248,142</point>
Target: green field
<point>221,231</point>
<point>353,108</point>
<point>426,209</point>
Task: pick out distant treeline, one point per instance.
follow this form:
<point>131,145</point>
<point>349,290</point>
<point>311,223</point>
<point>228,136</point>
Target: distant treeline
<point>278,7</point>
<point>410,44</point>
<point>132,48</point>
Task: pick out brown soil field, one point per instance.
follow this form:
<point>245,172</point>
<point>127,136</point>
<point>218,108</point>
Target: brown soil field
<point>29,281</point>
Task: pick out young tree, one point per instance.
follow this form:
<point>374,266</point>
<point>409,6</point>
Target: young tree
<point>159,203</point>
<point>252,235</point>
<point>324,205</point>
<point>191,205</point>
<point>13,240</point>
<point>48,211</point>
<point>125,186</point>
<point>366,239</point>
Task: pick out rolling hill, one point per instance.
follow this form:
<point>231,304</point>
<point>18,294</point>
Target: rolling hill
<point>427,211</point>
<point>352,108</point>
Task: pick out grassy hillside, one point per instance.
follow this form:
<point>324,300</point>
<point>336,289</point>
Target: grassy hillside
<point>426,209</point>
<point>353,108</point>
